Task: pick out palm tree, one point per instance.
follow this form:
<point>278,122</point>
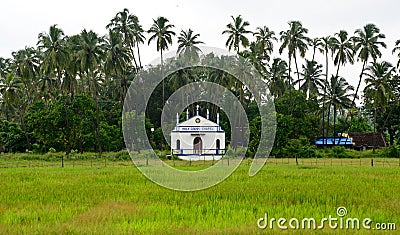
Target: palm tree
<point>4,66</point>
<point>27,68</point>
<point>237,31</point>
<point>343,48</point>
<point>312,80</point>
<point>397,48</point>
<point>10,87</point>
<point>293,39</point>
<point>90,51</point>
<point>326,46</point>
<point>187,45</point>
<point>55,55</point>
<point>139,38</point>
<point>378,90</point>
<point>367,43</point>
<point>116,61</point>
<point>316,44</point>
<point>162,33</point>
<point>265,38</point>
<point>338,96</point>
<point>128,25</point>
<point>278,78</point>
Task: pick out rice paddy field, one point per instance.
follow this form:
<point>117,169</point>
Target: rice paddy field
<point>117,199</point>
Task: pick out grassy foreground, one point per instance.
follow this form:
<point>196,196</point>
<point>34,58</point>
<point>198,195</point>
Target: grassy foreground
<point>119,200</point>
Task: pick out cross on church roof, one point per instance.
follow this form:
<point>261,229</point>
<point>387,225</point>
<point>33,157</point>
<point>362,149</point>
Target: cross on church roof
<point>197,110</point>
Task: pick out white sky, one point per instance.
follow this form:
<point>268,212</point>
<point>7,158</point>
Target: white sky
<point>21,21</point>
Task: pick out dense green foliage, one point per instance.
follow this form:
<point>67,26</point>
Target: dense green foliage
<point>67,93</point>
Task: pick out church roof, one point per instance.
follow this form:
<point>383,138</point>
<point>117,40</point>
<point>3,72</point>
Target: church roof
<point>197,121</point>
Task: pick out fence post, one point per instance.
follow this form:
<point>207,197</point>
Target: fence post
<point>372,162</point>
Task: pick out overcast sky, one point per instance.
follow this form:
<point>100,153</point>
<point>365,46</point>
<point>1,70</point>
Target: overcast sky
<point>22,21</point>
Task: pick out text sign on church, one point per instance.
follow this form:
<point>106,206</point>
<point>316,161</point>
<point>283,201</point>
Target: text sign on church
<point>198,128</point>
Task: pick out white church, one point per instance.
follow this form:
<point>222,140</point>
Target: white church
<point>198,138</point>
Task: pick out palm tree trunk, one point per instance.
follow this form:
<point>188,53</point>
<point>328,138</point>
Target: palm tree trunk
<point>359,83</point>
<point>334,124</point>
<point>28,143</point>
<point>138,52</point>
<point>297,70</point>
<point>97,116</point>
<point>323,104</point>
<point>290,88</point>
<point>162,77</point>
<point>337,70</point>
<point>373,136</point>
<point>329,115</point>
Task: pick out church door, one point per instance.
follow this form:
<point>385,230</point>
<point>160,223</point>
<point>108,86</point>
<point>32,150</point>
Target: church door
<point>197,145</point>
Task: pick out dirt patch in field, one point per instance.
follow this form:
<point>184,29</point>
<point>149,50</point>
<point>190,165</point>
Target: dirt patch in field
<point>107,211</point>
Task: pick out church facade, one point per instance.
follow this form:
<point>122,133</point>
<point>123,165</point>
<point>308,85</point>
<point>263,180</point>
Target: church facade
<point>198,138</point>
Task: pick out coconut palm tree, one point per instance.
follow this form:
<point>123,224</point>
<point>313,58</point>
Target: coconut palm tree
<point>312,80</point>
<point>316,44</point>
<point>378,90</point>
<point>187,45</point>
<point>338,97</point>
<point>293,39</point>
<point>132,32</point>
<point>55,54</point>
<point>27,62</point>
<point>326,47</point>
<point>10,87</point>
<point>395,49</point>
<point>116,61</point>
<point>366,44</point>
<point>4,66</point>
<point>237,34</point>
<point>90,51</point>
<point>342,47</point>
<point>265,38</point>
<point>278,78</point>
<point>162,33</point>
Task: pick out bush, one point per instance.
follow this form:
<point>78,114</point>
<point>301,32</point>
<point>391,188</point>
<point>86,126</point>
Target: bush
<point>307,152</point>
<point>339,152</point>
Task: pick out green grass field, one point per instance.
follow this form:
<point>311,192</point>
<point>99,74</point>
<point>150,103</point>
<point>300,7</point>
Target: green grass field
<point>119,200</point>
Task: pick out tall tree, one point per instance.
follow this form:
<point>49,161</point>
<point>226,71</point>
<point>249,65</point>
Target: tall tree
<point>366,44</point>
<point>90,51</point>
<point>316,44</point>
<point>187,45</point>
<point>162,33</point>
<point>278,78</point>
<point>378,91</point>
<point>326,47</point>
<point>312,80</point>
<point>237,33</point>
<point>338,96</point>
<point>265,38</point>
<point>55,54</point>
<point>116,62</point>
<point>342,47</point>
<point>128,25</point>
<point>10,87</point>
<point>293,40</point>
<point>395,49</point>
